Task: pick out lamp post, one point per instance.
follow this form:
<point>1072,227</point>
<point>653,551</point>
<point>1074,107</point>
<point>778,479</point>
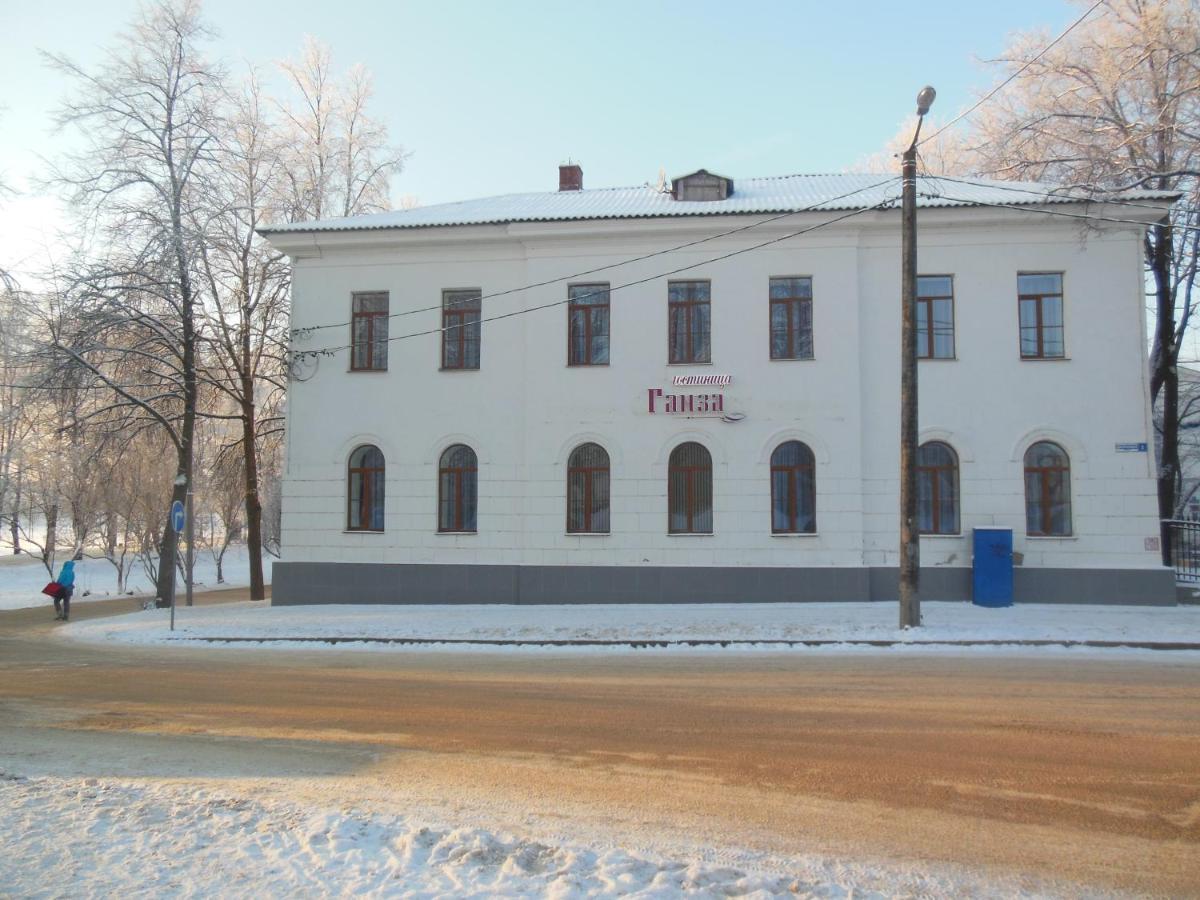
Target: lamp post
<point>910,541</point>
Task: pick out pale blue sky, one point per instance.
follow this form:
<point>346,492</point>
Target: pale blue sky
<point>491,97</point>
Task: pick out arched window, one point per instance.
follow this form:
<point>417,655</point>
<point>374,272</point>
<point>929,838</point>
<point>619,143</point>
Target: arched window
<point>458,489</point>
<point>364,507</point>
<point>793,489</point>
<point>1047,490</point>
<point>937,489</point>
<point>689,490</point>
<point>587,490</point>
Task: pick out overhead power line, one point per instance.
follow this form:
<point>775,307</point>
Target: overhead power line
<point>815,207</point>
<point>884,204</point>
<point>994,91</point>
<point>1058,195</point>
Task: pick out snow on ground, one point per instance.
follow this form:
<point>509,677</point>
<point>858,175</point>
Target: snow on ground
<point>106,837</point>
<point>23,577</point>
<point>651,622</point>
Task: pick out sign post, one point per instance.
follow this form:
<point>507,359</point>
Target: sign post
<point>178,519</point>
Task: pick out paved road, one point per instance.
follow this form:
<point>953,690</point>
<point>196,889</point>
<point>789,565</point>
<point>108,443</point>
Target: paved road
<point>1082,768</point>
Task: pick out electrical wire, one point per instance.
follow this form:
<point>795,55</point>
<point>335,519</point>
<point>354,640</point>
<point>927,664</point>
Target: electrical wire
<point>302,332</point>
<point>884,204</point>
<point>990,94</point>
<point>227,382</point>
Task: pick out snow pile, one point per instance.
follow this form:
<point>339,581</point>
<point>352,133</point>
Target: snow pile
<point>106,837</point>
<point>668,622</point>
<point>23,577</point>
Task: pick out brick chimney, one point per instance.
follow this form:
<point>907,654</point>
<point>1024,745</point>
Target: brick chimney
<point>570,177</point>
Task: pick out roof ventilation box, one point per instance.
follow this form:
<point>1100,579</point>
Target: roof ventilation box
<point>701,185</point>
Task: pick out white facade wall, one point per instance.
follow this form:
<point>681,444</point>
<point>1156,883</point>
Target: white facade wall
<point>524,410</point>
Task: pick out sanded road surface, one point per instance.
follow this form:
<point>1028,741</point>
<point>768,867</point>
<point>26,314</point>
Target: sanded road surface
<point>1081,768</point>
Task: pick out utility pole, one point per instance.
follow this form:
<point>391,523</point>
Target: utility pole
<point>910,537</point>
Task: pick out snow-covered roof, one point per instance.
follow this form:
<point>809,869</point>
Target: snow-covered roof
<point>785,193</point>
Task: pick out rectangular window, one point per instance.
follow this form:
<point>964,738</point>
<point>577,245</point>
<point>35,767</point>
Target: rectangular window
<point>935,316</point>
<point>688,310</point>
<point>1040,300</point>
<point>461,311</point>
<point>791,318</point>
<point>369,332</point>
<point>587,325</point>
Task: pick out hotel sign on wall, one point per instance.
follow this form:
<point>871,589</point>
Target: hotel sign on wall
<point>689,405</point>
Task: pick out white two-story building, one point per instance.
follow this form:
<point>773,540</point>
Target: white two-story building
<point>692,394</point>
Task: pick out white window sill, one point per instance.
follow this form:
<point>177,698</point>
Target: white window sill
<point>587,534</point>
<point>786,359</point>
<point>685,364</point>
<point>458,533</point>
<point>689,534</point>
<point>795,534</point>
<point>1044,358</point>
<point>363,530</point>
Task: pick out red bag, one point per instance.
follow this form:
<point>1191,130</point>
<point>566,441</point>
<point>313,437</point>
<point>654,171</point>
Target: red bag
<point>52,589</point>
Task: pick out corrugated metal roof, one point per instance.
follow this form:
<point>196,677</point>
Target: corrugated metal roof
<point>785,193</point>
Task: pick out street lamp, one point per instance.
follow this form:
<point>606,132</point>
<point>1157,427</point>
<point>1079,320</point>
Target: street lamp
<point>910,546</point>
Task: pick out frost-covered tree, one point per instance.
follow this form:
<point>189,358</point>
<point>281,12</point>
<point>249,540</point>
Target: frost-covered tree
<point>246,286</point>
<point>339,162</point>
<point>1115,106</point>
<point>148,121</point>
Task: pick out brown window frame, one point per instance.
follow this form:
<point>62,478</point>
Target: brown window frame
<point>794,474</point>
<point>690,306</point>
<point>793,305</point>
<point>370,317</point>
<point>587,502</point>
<point>366,505</point>
<point>1040,328</point>
<point>455,326</point>
<point>691,472</point>
<point>458,526</point>
<point>935,490</point>
<point>927,300</point>
<point>589,311</point>
<point>1064,471</point>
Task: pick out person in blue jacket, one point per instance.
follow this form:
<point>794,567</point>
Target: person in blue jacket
<point>66,587</point>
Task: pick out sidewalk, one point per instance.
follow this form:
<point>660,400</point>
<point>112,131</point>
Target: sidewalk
<point>744,626</point>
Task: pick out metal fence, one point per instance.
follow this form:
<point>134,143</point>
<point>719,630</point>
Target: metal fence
<point>1183,548</point>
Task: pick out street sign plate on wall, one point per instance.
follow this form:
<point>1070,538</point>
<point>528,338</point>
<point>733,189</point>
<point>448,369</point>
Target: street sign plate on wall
<point>1132,448</point>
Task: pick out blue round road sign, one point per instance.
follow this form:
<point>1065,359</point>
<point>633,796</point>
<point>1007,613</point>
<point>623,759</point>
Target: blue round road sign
<point>177,516</point>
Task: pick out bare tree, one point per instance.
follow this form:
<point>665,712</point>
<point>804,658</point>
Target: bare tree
<point>339,162</point>
<point>1116,106</point>
<point>246,298</point>
<point>225,490</point>
<point>16,421</point>
<point>950,152</point>
<point>327,157</point>
<point>148,120</point>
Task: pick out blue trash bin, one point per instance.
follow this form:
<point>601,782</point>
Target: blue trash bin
<point>992,574</point>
